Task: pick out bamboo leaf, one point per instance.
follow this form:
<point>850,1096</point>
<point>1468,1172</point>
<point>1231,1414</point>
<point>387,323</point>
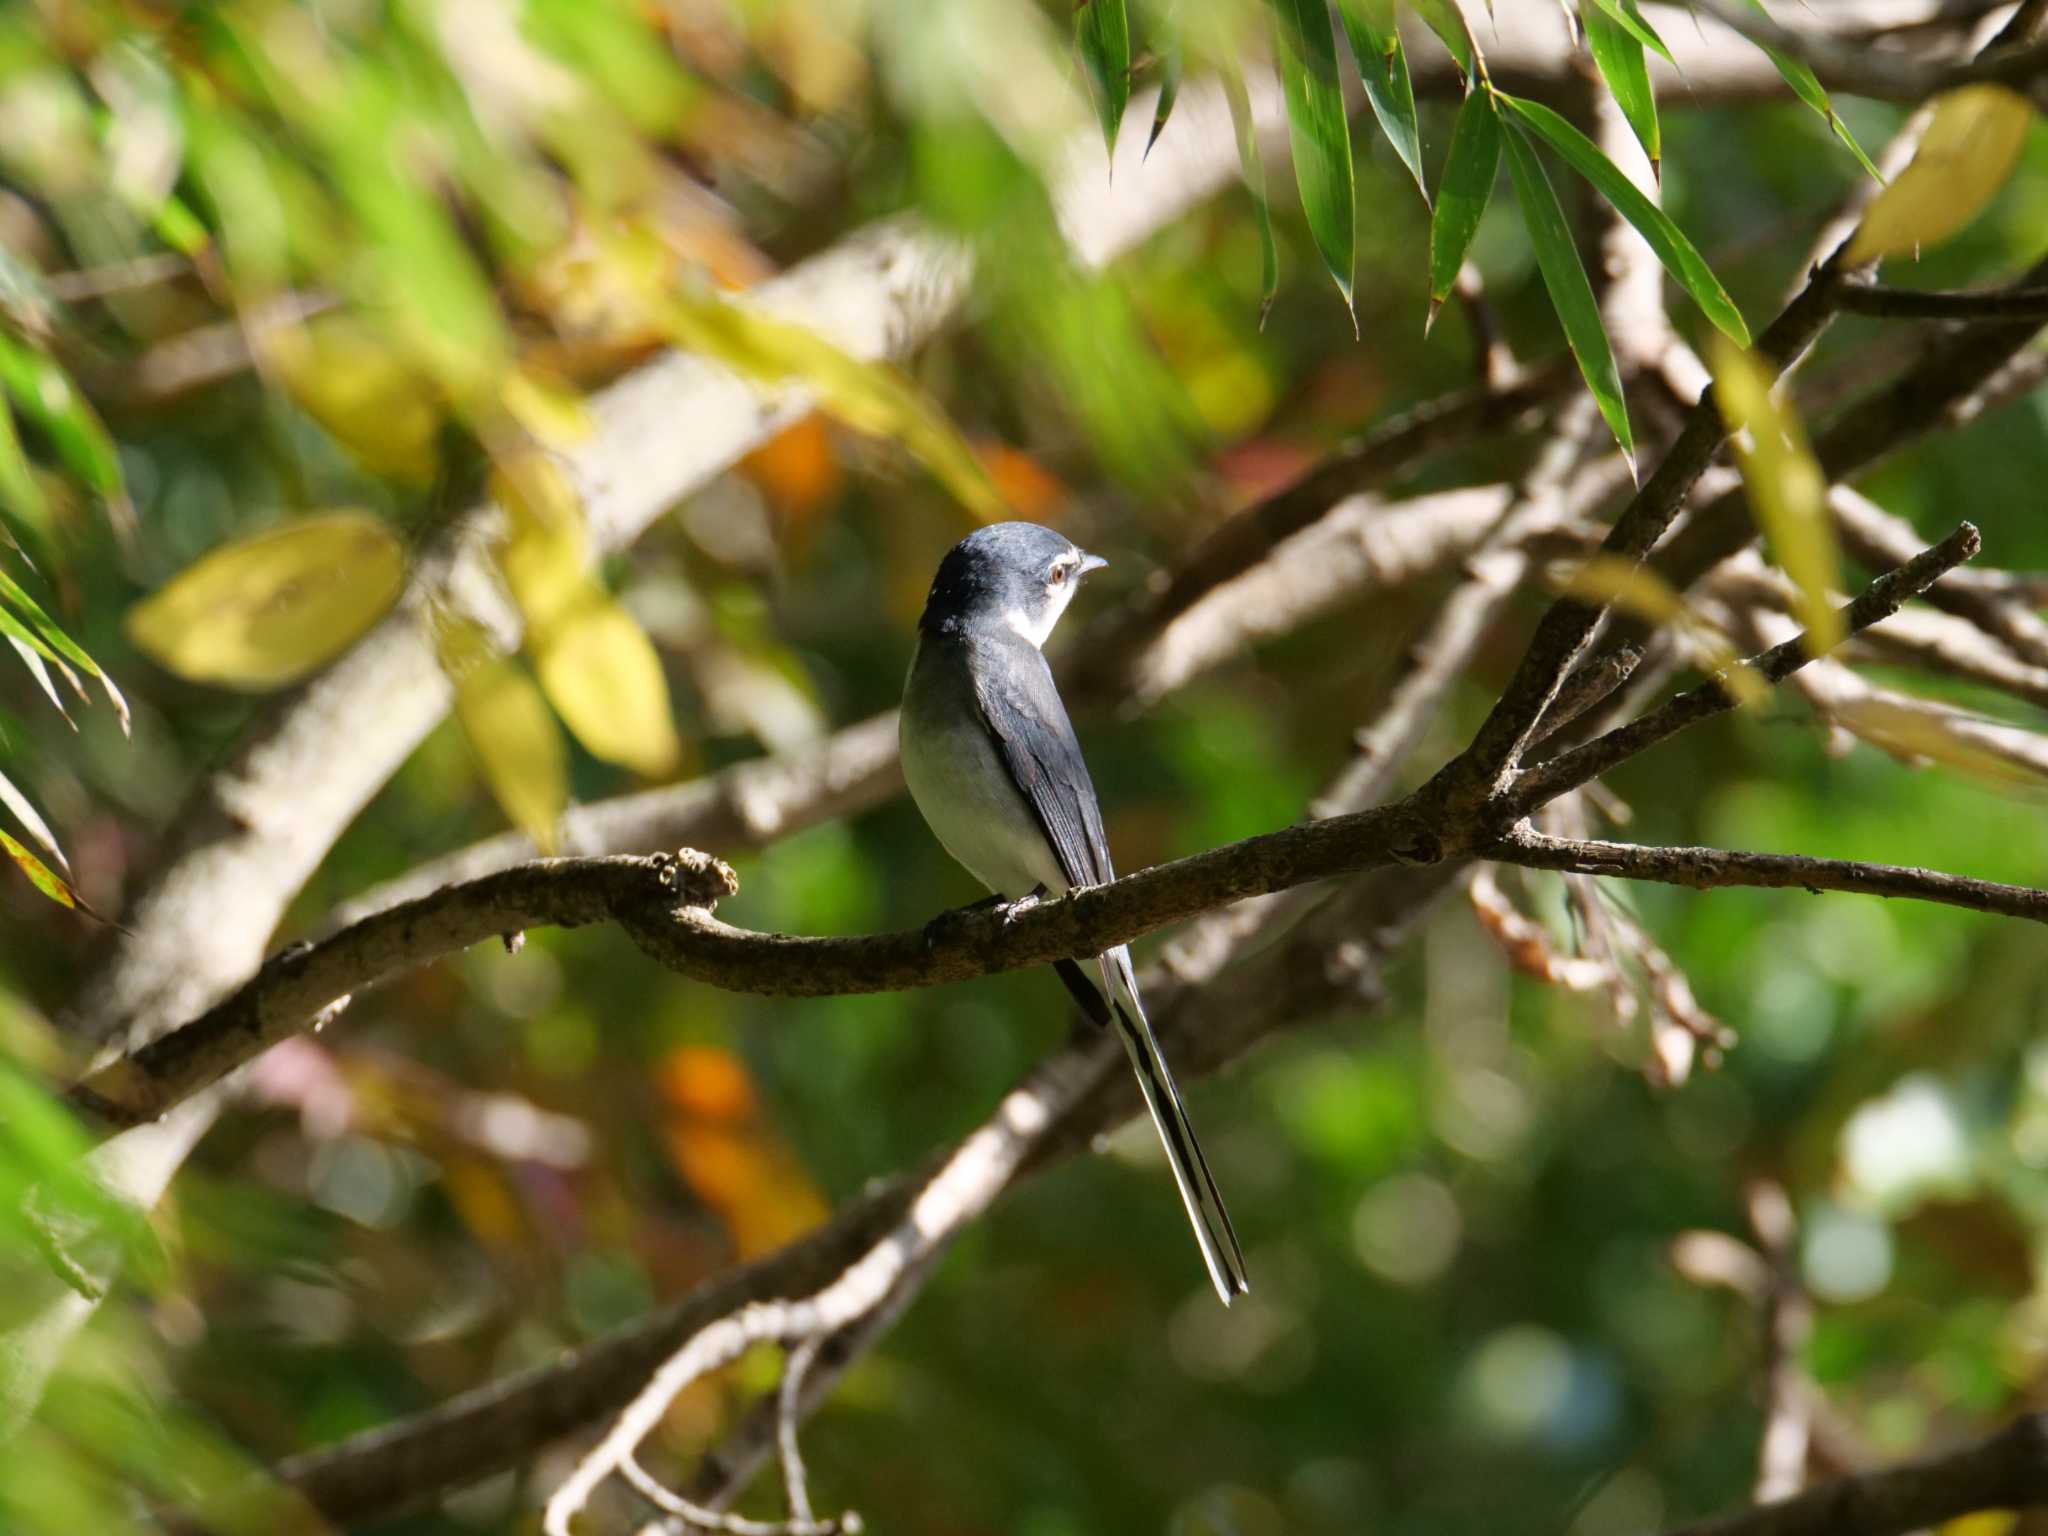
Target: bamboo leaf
<point>1557,258</point>
<point>1628,15</point>
<point>1470,170</point>
<point>1680,258</point>
<point>871,397</point>
<point>509,728</point>
<point>1807,87</point>
<point>602,674</point>
<point>39,874</point>
<point>1787,490</point>
<point>44,393</point>
<point>1171,65</point>
<point>26,813</point>
<point>1618,55</point>
<point>1254,168</point>
<point>1448,22</point>
<point>1968,152</point>
<point>267,610</point>
<point>1102,28</point>
<point>1383,68</point>
<point>1319,133</point>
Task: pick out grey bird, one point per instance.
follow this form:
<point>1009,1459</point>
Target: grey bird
<point>992,762</point>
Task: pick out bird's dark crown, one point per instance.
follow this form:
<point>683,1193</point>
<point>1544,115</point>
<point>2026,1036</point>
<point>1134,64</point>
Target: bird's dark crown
<point>1007,572</point>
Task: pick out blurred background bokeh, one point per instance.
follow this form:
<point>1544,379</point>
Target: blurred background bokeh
<point>262,260</point>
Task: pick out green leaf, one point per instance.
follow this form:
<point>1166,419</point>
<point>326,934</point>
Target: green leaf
<point>1677,253</point>
<point>43,393</point>
<point>1630,18</point>
<point>1557,258</point>
<point>1807,88</point>
<point>1383,67</point>
<point>27,508</point>
<point>1102,28</point>
<point>1448,22</point>
<point>1319,132</point>
<point>48,638</point>
<point>1618,55</point>
<point>1254,168</point>
<point>1470,170</point>
<point>1170,67</point>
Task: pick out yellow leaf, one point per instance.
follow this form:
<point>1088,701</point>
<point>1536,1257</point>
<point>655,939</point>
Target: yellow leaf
<point>1641,591</point>
<point>551,413</point>
<point>1787,490</point>
<point>546,558</point>
<point>356,385</point>
<point>1985,1522</point>
<point>603,676</point>
<point>39,873</point>
<point>1969,149</point>
<point>510,730</point>
<point>265,611</point>
<point>871,397</point>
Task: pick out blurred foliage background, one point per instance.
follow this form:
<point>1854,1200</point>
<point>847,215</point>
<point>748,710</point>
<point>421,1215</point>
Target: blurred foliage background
<point>347,265</point>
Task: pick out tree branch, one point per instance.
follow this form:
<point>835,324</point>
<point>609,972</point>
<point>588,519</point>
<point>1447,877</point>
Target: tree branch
<point>1705,869</point>
<point>2021,302</point>
<point>2007,1471</point>
<point>1882,597</point>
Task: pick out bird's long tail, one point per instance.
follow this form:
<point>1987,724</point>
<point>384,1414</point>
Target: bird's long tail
<point>1197,1185</point>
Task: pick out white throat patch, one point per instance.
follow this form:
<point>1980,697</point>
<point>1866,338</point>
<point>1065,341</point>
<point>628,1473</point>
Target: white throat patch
<point>1038,630</point>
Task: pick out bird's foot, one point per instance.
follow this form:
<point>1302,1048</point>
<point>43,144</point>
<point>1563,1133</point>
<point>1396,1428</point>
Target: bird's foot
<point>1010,911</point>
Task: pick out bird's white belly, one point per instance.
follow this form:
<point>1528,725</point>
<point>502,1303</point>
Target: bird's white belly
<point>963,787</point>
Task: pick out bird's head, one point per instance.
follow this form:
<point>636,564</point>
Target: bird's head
<point>1017,575</point>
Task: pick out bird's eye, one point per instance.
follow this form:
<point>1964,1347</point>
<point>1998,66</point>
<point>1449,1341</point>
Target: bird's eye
<point>1059,574</point>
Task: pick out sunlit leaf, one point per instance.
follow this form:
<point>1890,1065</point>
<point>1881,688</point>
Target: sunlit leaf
<point>1448,22</point>
<point>603,676</point>
<point>1383,67</point>
<point>1557,258</point>
<point>39,669</point>
<point>871,397</point>
<point>1786,487</point>
<point>27,508</point>
<point>1618,54</point>
<point>1968,152</point>
<point>39,873</point>
<point>1102,28</point>
<point>26,813</point>
<point>1470,171</point>
<point>1923,732</point>
<point>267,610</point>
<point>1638,590</point>
<point>1254,167</point>
<point>1677,253</point>
<point>370,399</point>
<point>508,726</point>
<point>550,413</point>
<point>1319,132</point>
<point>1807,87</point>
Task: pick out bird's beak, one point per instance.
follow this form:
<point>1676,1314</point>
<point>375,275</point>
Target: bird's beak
<point>1090,563</point>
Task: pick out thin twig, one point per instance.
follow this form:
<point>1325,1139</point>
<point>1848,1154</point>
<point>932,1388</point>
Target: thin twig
<point>1882,597</point>
<point>1705,869</point>
<point>2026,302</point>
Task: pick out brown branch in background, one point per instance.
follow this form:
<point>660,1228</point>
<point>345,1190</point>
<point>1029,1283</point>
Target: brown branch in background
<point>1866,71</point>
<point>2007,1471</point>
<point>1705,869</point>
<point>1787,1326</point>
<point>1882,597</point>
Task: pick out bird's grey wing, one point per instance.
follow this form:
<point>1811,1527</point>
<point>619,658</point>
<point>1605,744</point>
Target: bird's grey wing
<point>1022,709</point>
